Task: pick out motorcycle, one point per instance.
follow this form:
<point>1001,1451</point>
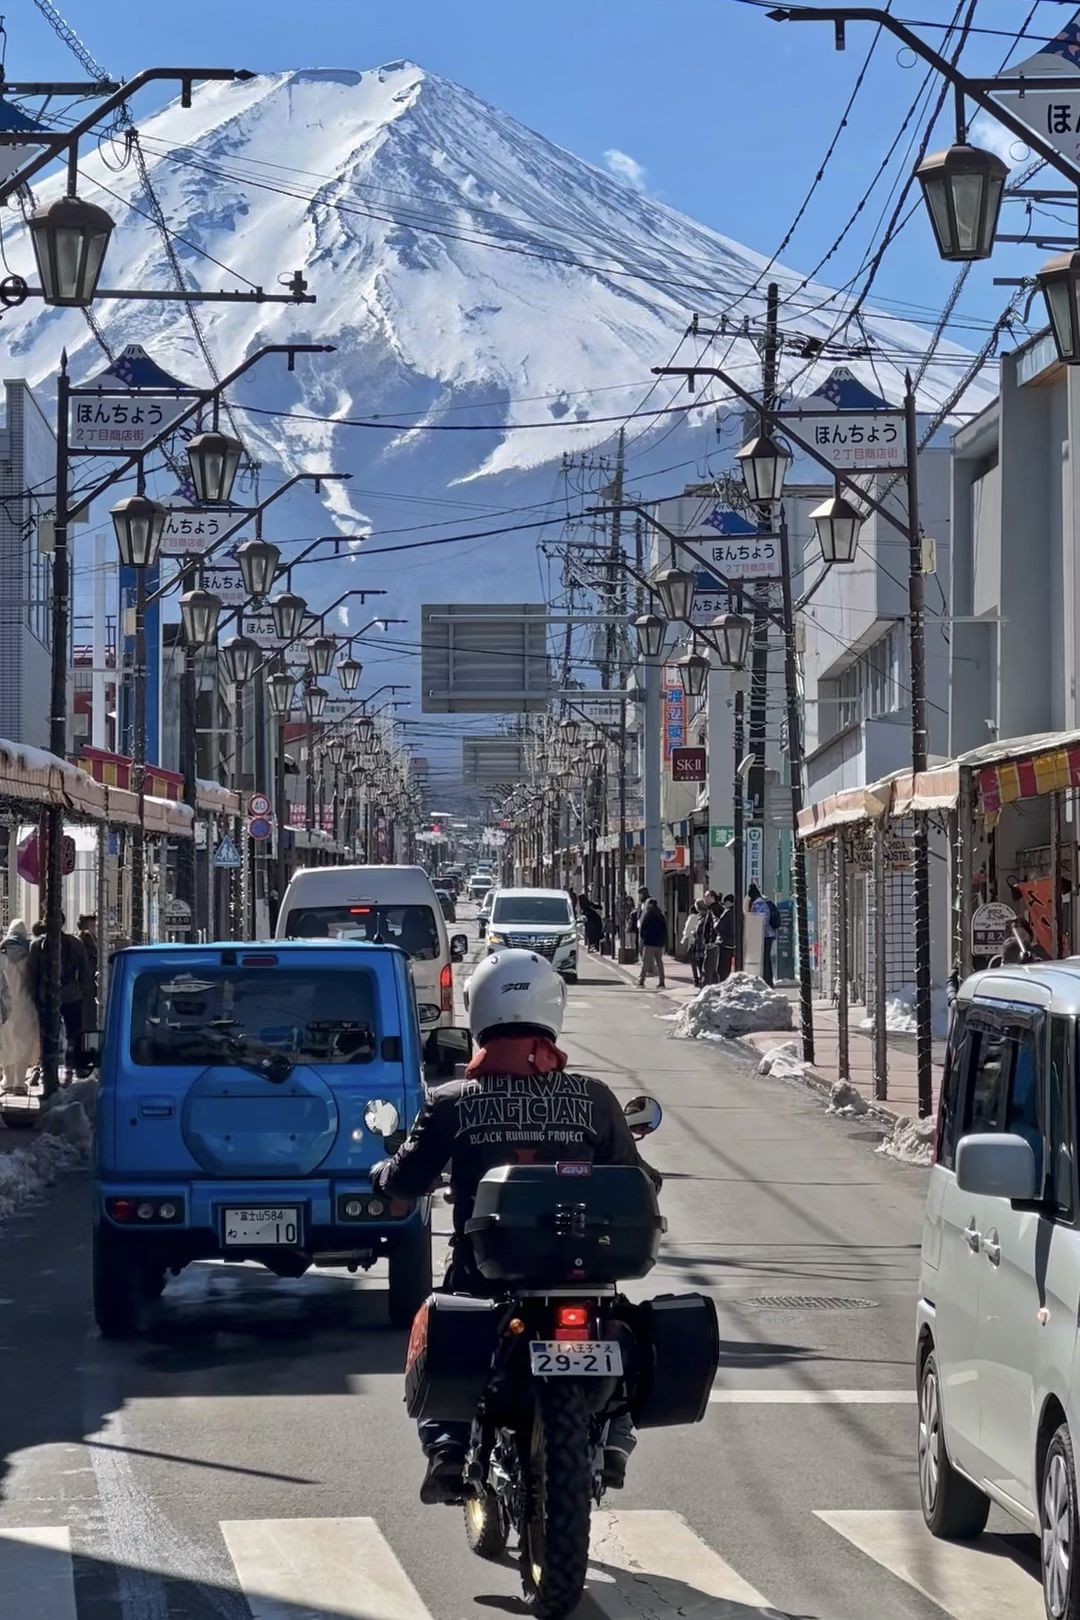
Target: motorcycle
<point>545,1368</point>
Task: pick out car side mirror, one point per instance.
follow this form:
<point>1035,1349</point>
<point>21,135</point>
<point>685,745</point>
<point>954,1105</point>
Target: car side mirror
<point>459,944</point>
<point>643,1115</point>
<point>997,1166</point>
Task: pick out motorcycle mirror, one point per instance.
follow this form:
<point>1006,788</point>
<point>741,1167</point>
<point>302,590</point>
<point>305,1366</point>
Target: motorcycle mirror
<point>381,1118</point>
<point>643,1115</point>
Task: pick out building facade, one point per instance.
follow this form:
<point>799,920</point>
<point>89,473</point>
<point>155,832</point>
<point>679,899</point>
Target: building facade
<point>27,477</point>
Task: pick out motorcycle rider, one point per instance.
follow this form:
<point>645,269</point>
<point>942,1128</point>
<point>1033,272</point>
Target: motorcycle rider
<point>516,1007</point>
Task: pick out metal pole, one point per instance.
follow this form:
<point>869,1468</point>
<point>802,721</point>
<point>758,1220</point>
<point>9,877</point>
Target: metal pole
<point>881,1038</point>
<point>620,868</point>
<point>261,783</point>
<point>185,849</point>
<point>281,810</point>
<point>239,885</point>
<point>654,876</point>
<point>843,1060</point>
<point>795,771</point>
<point>919,749</point>
<point>52,856</point>
<point>138,766</point>
<point>738,854</point>
<point>101,901</point>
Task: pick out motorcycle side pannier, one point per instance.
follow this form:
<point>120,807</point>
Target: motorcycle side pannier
<point>541,1224</point>
<point>679,1343</point>
<point>448,1362</point>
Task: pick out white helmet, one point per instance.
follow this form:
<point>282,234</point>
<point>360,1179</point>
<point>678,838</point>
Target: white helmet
<point>516,987</point>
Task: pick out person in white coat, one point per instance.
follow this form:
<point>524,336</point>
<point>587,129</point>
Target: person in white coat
<point>20,1033</point>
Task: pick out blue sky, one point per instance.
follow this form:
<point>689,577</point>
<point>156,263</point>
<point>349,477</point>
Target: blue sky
<point>713,108</point>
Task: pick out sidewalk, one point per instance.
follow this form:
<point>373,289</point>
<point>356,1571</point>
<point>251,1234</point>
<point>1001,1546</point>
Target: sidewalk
<point>902,1099</point>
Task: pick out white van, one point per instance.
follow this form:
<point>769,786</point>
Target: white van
<point>396,905</point>
<point>540,920</point>
<point>998,1348</point>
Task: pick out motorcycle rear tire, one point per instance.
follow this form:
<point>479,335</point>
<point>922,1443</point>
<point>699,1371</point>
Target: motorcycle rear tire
<point>555,1534</point>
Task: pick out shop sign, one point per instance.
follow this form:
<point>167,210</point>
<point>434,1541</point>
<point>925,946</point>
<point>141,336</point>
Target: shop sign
<point>674,713</point>
<point>990,925</point>
<point>720,837</point>
<point>688,764</point>
<point>755,855</point>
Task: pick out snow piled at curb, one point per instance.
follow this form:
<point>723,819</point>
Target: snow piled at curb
<point>742,1004</point>
<point>61,1141</point>
<point>911,1141</point>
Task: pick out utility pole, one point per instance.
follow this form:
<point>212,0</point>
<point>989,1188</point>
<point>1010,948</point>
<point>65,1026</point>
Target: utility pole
<point>795,773</point>
<point>613,664</point>
<point>919,749</point>
<point>759,662</point>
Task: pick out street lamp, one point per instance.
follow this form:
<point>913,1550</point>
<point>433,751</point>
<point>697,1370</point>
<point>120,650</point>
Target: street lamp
<point>1059,280</point>
<point>963,188</point>
<point>200,611</point>
<point>139,523</point>
<point>598,751</point>
<point>570,731</point>
<point>349,672</point>
<point>288,610</point>
<point>69,237</point>
<point>837,524</point>
<point>693,673</point>
<point>675,588</point>
<point>320,651</point>
<point>335,752</point>
<point>315,701</point>
<point>279,694</point>
<point>362,725</point>
<point>650,631</point>
<point>214,458</point>
<point>240,658</point>
<point>258,561</point>
<point>764,461</point>
<point>732,632</point>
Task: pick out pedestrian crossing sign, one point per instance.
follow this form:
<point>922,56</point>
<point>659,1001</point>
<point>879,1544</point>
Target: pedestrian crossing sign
<point>227,854</point>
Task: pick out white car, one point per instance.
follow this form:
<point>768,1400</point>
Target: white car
<point>540,920</point>
<point>998,1350</point>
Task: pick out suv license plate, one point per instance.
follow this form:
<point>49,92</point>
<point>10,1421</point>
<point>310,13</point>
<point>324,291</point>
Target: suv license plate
<point>246,1228</point>
<point>587,1358</point>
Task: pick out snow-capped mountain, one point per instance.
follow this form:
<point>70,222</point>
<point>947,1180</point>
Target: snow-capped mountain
<point>469,273</point>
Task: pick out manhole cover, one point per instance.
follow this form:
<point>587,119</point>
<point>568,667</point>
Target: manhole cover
<point>808,1302</point>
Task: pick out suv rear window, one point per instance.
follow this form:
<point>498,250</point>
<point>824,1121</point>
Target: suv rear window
<point>413,928</point>
<point>238,1015</point>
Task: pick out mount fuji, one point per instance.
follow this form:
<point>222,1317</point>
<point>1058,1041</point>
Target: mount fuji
<point>473,278</point>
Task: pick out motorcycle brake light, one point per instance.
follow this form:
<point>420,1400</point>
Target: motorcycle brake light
<point>572,1321</point>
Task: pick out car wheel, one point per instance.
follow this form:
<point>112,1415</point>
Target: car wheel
<point>120,1293</point>
<point>953,1508</point>
<point>1059,1530</point>
<point>570,975</point>
<point>410,1276</point>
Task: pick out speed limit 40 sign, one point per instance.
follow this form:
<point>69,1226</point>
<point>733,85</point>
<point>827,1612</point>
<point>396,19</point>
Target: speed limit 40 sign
<point>258,805</point>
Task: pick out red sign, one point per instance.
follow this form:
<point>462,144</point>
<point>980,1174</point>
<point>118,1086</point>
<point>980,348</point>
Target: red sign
<point>688,764</point>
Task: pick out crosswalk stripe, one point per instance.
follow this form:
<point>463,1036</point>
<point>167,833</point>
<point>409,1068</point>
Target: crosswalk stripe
<point>291,1569</point>
<point>656,1556</point>
<point>813,1397</point>
<point>35,1573</point>
<point>975,1580</point>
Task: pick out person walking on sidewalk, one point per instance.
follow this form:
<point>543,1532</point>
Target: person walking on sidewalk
<point>652,931</point>
<point>691,934</point>
<point>593,922</point>
<point>74,989</point>
<point>758,906</point>
<point>20,1033</point>
<point>725,937</point>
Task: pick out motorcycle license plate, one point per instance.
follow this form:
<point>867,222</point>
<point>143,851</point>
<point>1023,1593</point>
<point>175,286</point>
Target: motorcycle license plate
<point>256,1227</point>
<point>587,1358</point>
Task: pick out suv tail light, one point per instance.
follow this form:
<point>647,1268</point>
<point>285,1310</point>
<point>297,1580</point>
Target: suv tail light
<point>573,1322</point>
<point>446,989</point>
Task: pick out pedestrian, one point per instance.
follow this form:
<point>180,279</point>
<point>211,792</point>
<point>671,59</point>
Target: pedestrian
<point>708,940</point>
<point>87,935</point>
<point>689,941</point>
<point>725,937</point>
<point>758,906</point>
<point>652,929</point>
<point>574,903</point>
<point>594,924</point>
<point>74,982</point>
<point>20,1033</point>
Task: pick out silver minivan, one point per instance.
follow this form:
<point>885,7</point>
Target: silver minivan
<point>997,1332</point>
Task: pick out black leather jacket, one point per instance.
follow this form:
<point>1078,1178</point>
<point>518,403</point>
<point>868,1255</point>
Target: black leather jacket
<point>475,1125</point>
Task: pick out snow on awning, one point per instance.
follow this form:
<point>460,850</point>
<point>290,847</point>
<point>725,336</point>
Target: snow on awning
<point>213,797</point>
<point>34,776</point>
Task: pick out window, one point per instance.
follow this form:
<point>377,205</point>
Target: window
<point>1023,1111</point>
<point>552,910</point>
<point>239,1016</point>
<point>960,1041</point>
<point>984,1103</point>
<point>413,928</point>
<point>1061,1117</point>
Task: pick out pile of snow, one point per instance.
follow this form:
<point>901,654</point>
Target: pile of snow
<point>900,1012</point>
<point>911,1141</point>
<point>61,1141</point>
<point>846,1101</point>
<point>785,1062</point>
<point>742,1004</point>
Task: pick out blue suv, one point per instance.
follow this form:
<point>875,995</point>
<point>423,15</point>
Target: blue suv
<point>246,1091</point>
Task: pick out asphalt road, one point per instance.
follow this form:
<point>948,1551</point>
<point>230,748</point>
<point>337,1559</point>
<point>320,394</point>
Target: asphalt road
<point>252,1458</point>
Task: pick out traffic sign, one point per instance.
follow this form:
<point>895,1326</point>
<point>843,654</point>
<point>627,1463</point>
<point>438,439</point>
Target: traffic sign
<point>258,805</point>
<point>227,853</point>
<point>259,827</point>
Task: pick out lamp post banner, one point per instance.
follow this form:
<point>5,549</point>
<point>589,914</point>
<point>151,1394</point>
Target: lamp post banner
<point>228,583</point>
<point>1053,114</point>
<point>870,441</point>
<point>741,557</point>
<point>188,532</point>
<point>105,425</point>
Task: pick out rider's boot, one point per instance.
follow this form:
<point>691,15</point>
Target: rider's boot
<point>444,1480</point>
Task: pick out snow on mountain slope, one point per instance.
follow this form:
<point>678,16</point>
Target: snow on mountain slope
<point>467,270</point>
